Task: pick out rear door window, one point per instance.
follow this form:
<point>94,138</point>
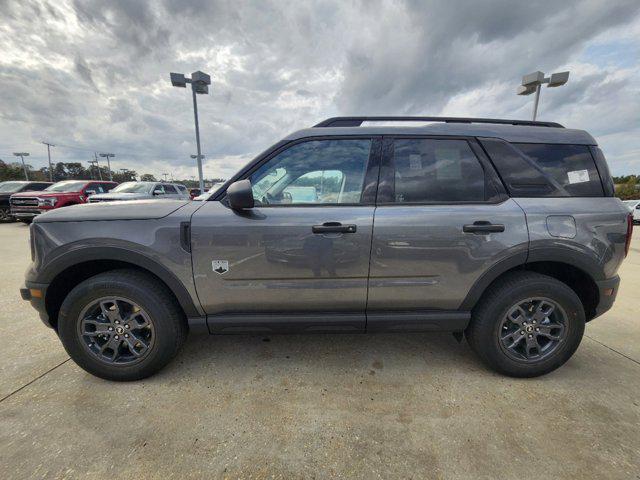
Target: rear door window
<point>437,171</point>
<point>170,190</point>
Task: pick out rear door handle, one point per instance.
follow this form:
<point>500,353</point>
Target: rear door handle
<point>483,227</point>
<point>333,227</point>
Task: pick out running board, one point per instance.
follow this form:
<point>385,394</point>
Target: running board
<point>332,322</point>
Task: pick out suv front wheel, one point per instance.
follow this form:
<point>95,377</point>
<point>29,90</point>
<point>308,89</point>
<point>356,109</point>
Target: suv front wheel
<point>121,325</point>
<point>526,324</point>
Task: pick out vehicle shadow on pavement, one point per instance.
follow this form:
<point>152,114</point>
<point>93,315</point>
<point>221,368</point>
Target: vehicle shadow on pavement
<point>324,354</point>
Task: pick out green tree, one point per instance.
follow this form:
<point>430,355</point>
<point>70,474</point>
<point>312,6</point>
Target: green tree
<point>147,177</point>
<point>628,190</point>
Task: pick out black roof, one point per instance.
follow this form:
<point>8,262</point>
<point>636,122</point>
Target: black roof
<point>358,121</point>
<point>516,131</point>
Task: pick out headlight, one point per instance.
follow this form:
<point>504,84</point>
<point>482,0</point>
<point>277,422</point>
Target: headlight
<point>47,202</point>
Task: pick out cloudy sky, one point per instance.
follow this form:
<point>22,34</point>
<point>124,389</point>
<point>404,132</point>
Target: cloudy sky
<point>94,74</point>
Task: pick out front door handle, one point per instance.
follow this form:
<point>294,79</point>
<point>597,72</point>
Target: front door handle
<point>333,227</point>
<point>483,227</point>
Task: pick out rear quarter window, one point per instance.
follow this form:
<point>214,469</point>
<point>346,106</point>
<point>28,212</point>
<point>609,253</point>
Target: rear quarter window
<point>545,170</point>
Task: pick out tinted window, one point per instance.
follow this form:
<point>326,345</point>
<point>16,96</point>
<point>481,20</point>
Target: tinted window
<point>182,189</point>
<point>572,166</point>
<point>545,170</point>
<point>170,189</point>
<point>436,171</point>
<point>314,172</point>
<point>10,187</point>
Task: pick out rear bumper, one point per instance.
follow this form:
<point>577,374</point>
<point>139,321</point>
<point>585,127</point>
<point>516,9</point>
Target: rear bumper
<point>608,290</point>
<point>35,293</point>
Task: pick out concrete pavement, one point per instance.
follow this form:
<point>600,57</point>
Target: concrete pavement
<point>318,406</point>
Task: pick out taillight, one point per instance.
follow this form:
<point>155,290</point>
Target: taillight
<point>627,243</point>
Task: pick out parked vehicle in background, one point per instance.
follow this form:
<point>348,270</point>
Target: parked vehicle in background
<point>214,188</point>
<point>9,188</point>
<point>634,206</point>
<point>143,191</point>
<point>26,205</point>
<point>194,192</point>
<point>504,231</point>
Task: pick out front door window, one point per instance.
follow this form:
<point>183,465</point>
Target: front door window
<point>320,172</point>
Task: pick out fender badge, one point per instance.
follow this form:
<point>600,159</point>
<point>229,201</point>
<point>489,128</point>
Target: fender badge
<point>220,266</point>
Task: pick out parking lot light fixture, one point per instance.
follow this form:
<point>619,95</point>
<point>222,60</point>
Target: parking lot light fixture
<point>108,156</point>
<point>49,145</point>
<point>532,83</point>
<point>200,82</point>
<point>24,166</point>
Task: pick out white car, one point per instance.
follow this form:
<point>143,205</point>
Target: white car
<point>142,191</point>
<point>634,206</point>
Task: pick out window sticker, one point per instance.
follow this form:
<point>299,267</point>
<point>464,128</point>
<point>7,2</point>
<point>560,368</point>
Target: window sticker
<point>578,176</point>
<point>415,162</point>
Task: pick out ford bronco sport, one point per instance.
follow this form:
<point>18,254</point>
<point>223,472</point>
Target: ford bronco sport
<point>504,231</point>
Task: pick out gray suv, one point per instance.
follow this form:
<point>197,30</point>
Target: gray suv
<point>505,232</point>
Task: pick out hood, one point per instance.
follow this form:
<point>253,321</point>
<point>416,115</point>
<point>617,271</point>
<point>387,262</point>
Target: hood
<point>138,210</point>
<point>44,194</point>
<point>121,196</point>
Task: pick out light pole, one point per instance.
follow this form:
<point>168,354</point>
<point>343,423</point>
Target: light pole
<point>49,145</point>
<point>200,82</point>
<point>532,83</point>
<point>95,156</point>
<point>24,166</point>
<point>93,164</point>
<point>165,176</point>
<point>108,156</point>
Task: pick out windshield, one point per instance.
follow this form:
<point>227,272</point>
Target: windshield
<point>133,187</point>
<point>8,187</point>
<point>66,186</point>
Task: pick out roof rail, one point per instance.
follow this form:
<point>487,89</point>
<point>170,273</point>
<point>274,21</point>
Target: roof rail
<point>357,121</point>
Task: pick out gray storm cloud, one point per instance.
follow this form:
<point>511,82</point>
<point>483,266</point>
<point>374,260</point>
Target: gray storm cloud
<point>94,73</point>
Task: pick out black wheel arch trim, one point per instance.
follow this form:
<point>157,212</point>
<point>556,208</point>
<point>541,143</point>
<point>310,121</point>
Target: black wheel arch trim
<point>568,256</point>
<point>87,254</point>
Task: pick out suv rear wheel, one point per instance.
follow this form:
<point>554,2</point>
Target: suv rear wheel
<point>121,325</point>
<point>526,324</point>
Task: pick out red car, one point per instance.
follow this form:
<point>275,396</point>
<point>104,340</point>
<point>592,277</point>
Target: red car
<point>26,205</point>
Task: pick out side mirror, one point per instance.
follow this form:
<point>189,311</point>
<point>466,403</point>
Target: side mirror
<point>90,192</point>
<point>240,195</point>
<point>158,192</point>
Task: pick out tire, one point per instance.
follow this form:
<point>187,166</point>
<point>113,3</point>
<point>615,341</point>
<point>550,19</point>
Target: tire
<point>167,332</point>
<point>5,217</point>
<point>26,221</point>
<point>486,327</point>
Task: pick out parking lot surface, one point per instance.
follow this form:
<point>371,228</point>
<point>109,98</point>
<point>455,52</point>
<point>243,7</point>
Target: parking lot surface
<point>318,406</point>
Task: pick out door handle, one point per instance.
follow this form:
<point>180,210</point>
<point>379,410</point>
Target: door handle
<point>333,227</point>
<point>483,227</point>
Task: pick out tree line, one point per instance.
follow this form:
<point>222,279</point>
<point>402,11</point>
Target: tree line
<point>77,171</point>
<point>627,187</point>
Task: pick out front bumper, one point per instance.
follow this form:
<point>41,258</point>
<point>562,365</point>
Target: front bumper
<point>36,293</point>
<point>608,290</point>
<point>25,212</point>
